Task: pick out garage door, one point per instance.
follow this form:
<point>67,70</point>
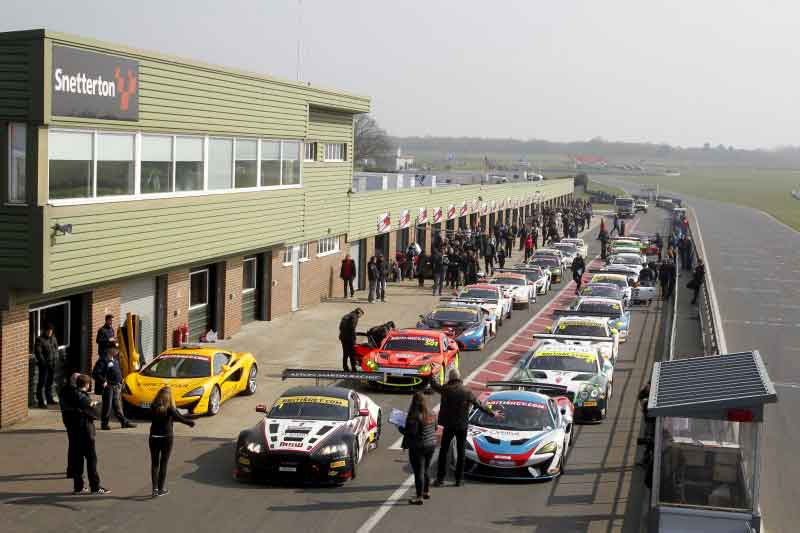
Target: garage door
<point>139,297</point>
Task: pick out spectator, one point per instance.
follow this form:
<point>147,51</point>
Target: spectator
<point>530,243</point>
<point>85,433</point>
<point>348,273</point>
<point>162,413</point>
<point>578,267</point>
<point>347,336</point>
<point>419,438</point>
<point>68,400</point>
<point>106,337</point>
<point>372,278</point>
<point>698,279</point>
<point>437,267</point>
<point>616,225</point>
<point>422,260</point>
<point>501,258</point>
<point>383,274</point>
<point>45,351</point>
<point>454,268</point>
<point>107,376</point>
<point>489,252</point>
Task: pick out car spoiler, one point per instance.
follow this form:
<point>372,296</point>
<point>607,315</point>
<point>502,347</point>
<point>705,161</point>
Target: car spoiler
<point>465,300</point>
<point>604,271</point>
<point>320,374</point>
<point>556,337</point>
<point>578,312</point>
<point>543,388</point>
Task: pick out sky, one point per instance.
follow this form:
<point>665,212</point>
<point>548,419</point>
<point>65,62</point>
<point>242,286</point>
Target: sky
<point>678,71</point>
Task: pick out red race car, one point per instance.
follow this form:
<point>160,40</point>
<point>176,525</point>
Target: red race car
<point>406,357</point>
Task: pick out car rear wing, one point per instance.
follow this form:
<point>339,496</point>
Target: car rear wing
<point>465,300</point>
<point>322,374</point>
<point>579,313</point>
<point>543,388</point>
<point>556,337</point>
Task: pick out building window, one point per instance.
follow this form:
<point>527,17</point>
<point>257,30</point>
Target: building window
<point>156,164</point>
<point>71,167</point>
<point>220,164</point>
<point>189,164</point>
<point>287,255</point>
<point>249,274</point>
<point>335,152</point>
<point>115,174</point>
<point>291,163</point>
<point>270,163</point>
<point>303,254</point>
<point>17,181</point>
<point>198,288</point>
<point>54,314</point>
<point>246,167</point>
<point>327,245</point>
<point>310,151</point>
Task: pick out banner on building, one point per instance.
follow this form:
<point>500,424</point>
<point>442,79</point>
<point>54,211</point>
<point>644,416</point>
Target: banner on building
<point>451,212</point>
<point>384,223</point>
<point>405,219</point>
<point>422,217</point>
<point>464,209</point>
<point>437,215</point>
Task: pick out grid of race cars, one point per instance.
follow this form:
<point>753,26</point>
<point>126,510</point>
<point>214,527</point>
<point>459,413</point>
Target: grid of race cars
<point>322,433</point>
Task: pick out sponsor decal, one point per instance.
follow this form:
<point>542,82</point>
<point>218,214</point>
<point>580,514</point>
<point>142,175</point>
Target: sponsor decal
<point>521,403</point>
<point>384,223</point>
<point>577,355</point>
<point>405,219</point>
<point>182,356</point>
<point>422,217</point>
<point>451,212</point>
<point>338,464</point>
<point>290,444</point>
<point>93,85</point>
<point>437,215</point>
<point>324,400</point>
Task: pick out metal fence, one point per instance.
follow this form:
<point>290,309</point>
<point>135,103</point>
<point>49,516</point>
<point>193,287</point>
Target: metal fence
<point>711,329</point>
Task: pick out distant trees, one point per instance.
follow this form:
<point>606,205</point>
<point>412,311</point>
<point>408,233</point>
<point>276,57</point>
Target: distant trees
<point>370,140</point>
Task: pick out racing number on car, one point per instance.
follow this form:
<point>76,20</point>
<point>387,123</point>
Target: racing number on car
<point>431,342</point>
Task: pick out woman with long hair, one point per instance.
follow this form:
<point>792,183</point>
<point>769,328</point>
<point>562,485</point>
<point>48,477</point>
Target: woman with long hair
<point>419,437</point>
<point>163,413</point>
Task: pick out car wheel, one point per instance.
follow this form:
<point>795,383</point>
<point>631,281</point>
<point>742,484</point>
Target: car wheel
<point>378,429</point>
<point>500,320</point>
<point>354,459</point>
<point>214,401</point>
<point>483,342</point>
<point>609,392</point>
<point>252,385</point>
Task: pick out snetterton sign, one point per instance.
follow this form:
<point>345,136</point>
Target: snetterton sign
<point>92,85</point>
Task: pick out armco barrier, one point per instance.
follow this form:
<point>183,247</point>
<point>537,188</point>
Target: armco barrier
<point>710,326</point>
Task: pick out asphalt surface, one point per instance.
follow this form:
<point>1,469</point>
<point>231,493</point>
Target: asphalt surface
<point>601,489</point>
<point>755,264</point>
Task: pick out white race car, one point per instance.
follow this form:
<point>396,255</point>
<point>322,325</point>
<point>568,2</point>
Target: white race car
<point>580,245</point>
<point>571,327</point>
<point>540,277</point>
<point>515,286</point>
<point>568,250</point>
<point>620,280</point>
<point>488,296</point>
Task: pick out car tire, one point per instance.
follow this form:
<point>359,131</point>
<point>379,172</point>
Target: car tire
<point>252,385</point>
<point>354,459</point>
<point>483,342</point>
<point>214,401</point>
<point>378,428</point>
<point>500,320</point>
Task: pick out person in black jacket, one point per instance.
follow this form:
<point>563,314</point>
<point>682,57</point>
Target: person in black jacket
<point>698,279</point>
<point>489,251</point>
<point>419,437</point>
<point>382,266</point>
<point>46,352</point>
<point>108,382</point>
<point>372,278</point>
<point>85,437</point>
<point>453,414</point>
<point>437,266</point>
<point>578,268</point>
<point>68,402</point>
<point>163,413</point>
<point>347,336</point>
<point>106,338</point>
<point>348,274</point>
<point>422,260</point>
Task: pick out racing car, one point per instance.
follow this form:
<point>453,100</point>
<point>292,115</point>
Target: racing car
<point>528,440</point>
<point>579,244</point>
<point>568,250</point>
<point>470,324</point>
<point>515,286</point>
<point>550,252</point>
<point>551,263</point>
<point>310,434</point>
<point>201,378</point>
<point>581,372</point>
<point>570,327</point>
<point>490,296</point>
<point>407,357</point>
<point>619,318</point>
<point>603,290</point>
<point>540,277</point>
<point>620,280</point>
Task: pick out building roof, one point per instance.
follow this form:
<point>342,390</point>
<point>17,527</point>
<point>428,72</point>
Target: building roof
<point>706,387</point>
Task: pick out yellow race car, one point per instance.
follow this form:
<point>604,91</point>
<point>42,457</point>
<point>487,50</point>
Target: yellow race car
<point>201,378</point>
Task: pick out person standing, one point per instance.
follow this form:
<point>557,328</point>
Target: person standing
<point>372,278</point>
<point>68,402</point>
<point>45,351</point>
<point>348,273</point>
<point>501,258</point>
<point>454,268</point>
<point>86,451</point>
<point>106,338</point>
<point>578,268</point>
<point>621,228</point>
<point>382,266</point>
<point>108,382</point>
<point>163,413</point>
<point>437,266</point>
<point>488,256</point>
<point>453,414</point>
<point>698,279</point>
<point>530,243</point>
<point>523,236</point>
<point>659,244</point>
<point>616,225</point>
<point>603,238</point>
<point>419,438</point>
<point>347,336</point>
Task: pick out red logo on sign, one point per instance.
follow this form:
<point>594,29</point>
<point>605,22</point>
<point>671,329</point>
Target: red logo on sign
<point>125,94</point>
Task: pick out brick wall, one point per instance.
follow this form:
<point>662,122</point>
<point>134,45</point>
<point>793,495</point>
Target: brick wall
<point>102,301</point>
<point>428,239</point>
<point>392,245</point>
<point>13,365</point>
<point>319,276</point>
<point>370,248</point>
<point>281,294</point>
<point>232,315</point>
<point>177,313</point>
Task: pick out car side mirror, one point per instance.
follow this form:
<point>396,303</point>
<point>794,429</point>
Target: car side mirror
<point>261,408</point>
<point>363,412</point>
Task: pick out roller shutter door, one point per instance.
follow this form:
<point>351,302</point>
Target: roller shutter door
<point>139,297</point>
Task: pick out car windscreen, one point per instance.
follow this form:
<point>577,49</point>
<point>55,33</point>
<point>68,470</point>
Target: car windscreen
<point>455,315</point>
<point>547,262</point>
<point>514,415</point>
<point>507,281</point>
<point>412,344</point>
<point>621,283</point>
<point>564,362</point>
<point>607,308</point>
<point>626,260</point>
<point>583,329</point>
<point>566,248</point>
<point>532,275</point>
<point>178,366</point>
<point>605,290</point>
<point>310,408</point>
<point>482,294</point>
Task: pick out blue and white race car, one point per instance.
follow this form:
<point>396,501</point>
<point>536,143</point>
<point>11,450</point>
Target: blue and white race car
<point>471,325</point>
<point>529,439</point>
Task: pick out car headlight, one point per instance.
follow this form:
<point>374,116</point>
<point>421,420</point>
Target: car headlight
<point>595,392</point>
<point>198,392</point>
<point>253,447</point>
<point>618,324</point>
<point>372,365</point>
<point>334,449</point>
<point>584,394</point>
<point>425,369</point>
<point>550,447</point>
